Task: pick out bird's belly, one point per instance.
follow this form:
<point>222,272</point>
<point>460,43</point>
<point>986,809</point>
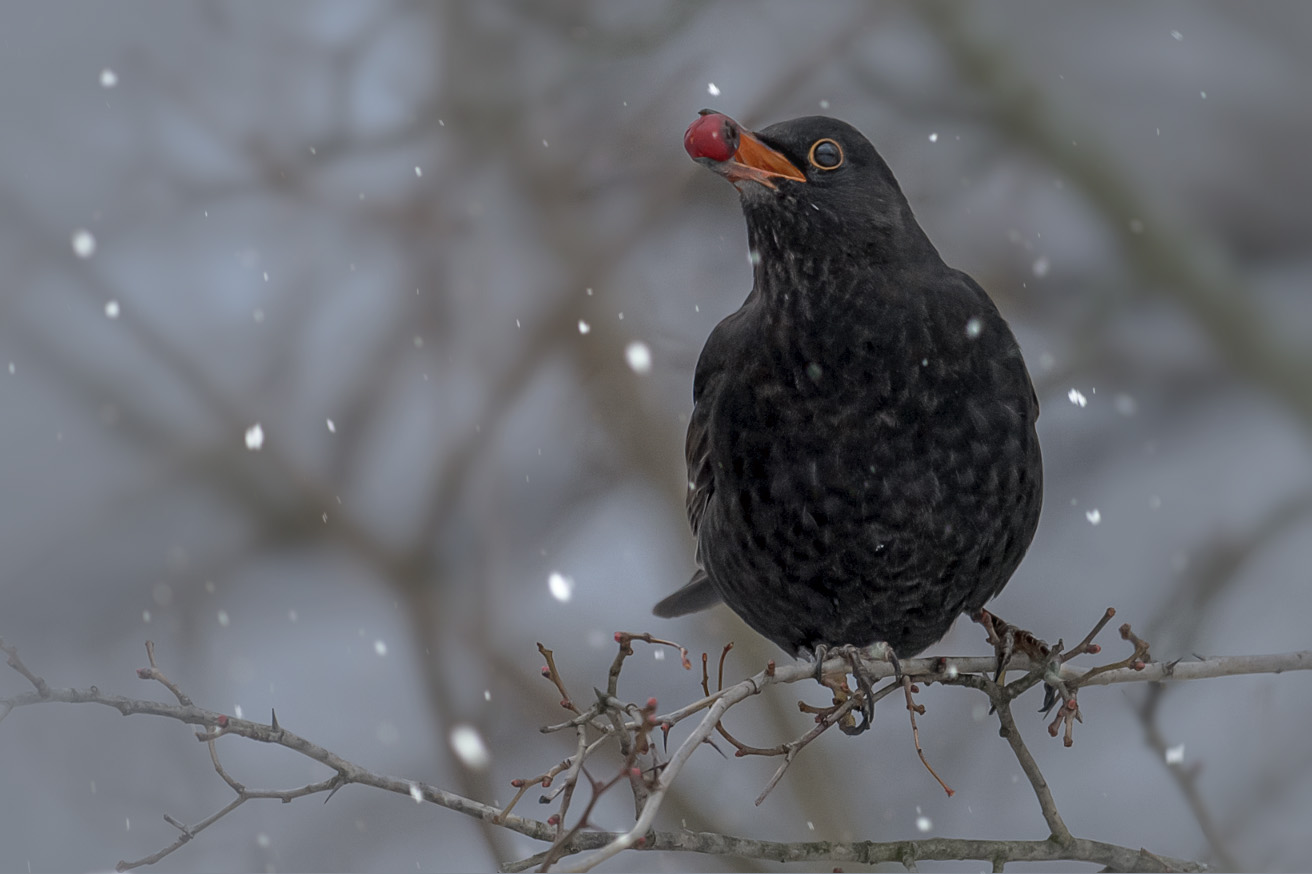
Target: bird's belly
<point>832,525</point>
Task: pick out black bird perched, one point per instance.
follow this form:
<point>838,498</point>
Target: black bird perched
<point>862,459</point>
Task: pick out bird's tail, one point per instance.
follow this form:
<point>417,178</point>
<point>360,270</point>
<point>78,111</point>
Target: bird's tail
<point>697,594</point>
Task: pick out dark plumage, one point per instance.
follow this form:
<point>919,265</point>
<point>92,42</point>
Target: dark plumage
<point>862,459</point>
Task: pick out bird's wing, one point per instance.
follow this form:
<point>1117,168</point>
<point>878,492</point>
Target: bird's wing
<point>698,593</point>
<point>708,382</point>
<point>701,474</point>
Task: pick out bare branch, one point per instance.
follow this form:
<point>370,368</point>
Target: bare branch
<point>632,724</point>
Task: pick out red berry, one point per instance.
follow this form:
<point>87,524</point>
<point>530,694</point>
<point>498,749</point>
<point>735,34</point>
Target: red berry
<point>711,136</point>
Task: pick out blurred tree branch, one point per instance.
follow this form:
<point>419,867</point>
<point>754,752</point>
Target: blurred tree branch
<point>1171,264</point>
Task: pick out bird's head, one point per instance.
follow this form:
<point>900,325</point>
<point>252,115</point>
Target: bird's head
<point>808,183</point>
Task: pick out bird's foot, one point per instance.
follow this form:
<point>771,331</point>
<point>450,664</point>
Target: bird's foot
<point>1007,640</point>
<point>855,656</point>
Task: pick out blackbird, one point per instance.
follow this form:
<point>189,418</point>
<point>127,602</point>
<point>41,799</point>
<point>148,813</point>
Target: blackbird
<point>862,459</point>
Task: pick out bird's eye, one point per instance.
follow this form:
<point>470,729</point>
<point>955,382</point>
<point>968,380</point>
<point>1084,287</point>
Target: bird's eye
<point>826,154</point>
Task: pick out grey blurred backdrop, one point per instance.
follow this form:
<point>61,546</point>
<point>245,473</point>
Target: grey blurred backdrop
<point>414,242</point>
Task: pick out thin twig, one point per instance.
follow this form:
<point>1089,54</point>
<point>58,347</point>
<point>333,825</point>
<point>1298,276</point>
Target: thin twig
<point>912,709</point>
<point>792,748</point>
<point>12,659</point>
<point>549,671</point>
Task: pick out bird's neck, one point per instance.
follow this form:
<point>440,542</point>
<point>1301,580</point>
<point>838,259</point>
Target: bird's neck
<point>830,288</point>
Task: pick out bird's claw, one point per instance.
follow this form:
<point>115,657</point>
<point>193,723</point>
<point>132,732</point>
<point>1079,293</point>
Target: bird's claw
<point>854,656</point>
<point>867,693</point>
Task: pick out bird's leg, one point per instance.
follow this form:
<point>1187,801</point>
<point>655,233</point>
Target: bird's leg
<point>821,653</point>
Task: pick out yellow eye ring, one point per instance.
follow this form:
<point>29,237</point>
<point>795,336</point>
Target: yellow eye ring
<point>826,154</point>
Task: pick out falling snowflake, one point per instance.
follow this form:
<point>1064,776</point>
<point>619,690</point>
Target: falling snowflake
<point>84,243</point>
<point>638,356</point>
<point>108,78</point>
<point>1093,516</point>
<point>469,747</point>
<point>111,309</point>
<point>1077,397</point>
<point>712,90</point>
<point>254,437</point>
<point>561,586</point>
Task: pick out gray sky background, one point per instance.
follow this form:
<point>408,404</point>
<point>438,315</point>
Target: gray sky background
<point>399,218</point>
